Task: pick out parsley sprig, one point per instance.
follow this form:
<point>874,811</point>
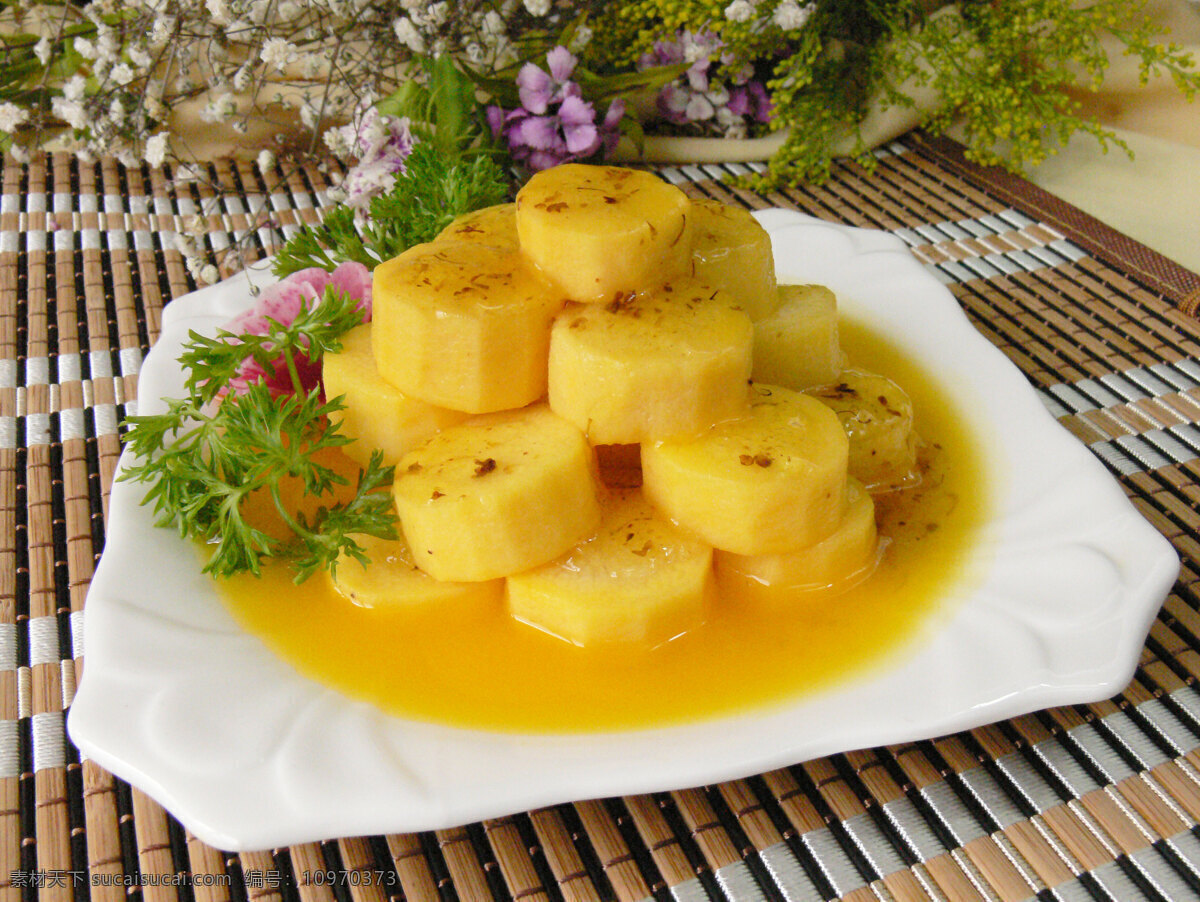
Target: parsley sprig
<point>212,362</point>
<point>204,460</point>
<point>434,189</point>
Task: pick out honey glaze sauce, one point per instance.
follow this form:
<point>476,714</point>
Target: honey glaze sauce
<point>471,665</point>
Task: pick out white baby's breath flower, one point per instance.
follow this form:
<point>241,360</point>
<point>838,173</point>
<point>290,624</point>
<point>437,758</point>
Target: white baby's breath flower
<point>265,161</point>
<point>74,88</point>
<point>154,107</point>
<point>338,142</point>
<point>86,48</point>
<point>162,30</point>
<point>42,51</point>
<point>19,153</point>
<point>739,11</point>
<point>209,274</point>
<point>581,38</point>
<point>438,13</point>
<point>310,114</point>
<point>116,110</point>
<point>108,48</point>
<point>277,53</point>
<point>219,109</point>
<point>537,7</point>
<point>12,117</point>
<point>493,24</point>
<point>156,149</point>
<point>311,65</point>
<point>122,74</point>
<point>219,11</point>
<point>70,112</point>
<point>139,56</point>
<point>407,34</point>
<point>290,10</point>
<point>790,15</point>
<point>241,79</point>
<point>504,53</point>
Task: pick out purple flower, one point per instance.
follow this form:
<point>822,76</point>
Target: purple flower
<point>696,98</point>
<point>554,124</point>
<point>664,53</point>
<point>381,144</point>
<point>539,89</point>
<point>750,101</point>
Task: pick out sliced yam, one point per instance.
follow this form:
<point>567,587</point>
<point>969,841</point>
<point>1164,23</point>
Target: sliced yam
<point>463,325</point>
<point>656,365</point>
<point>377,415</point>
<point>497,494</point>
<point>771,481</point>
<point>392,580</point>
<point>877,416</point>
<point>732,251</point>
<point>637,579</point>
<point>599,231</point>
<point>833,564</point>
<point>797,346</point>
<point>262,511</point>
<point>496,226</point>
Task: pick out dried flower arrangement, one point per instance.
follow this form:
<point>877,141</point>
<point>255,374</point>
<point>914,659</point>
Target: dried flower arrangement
<point>542,81</point>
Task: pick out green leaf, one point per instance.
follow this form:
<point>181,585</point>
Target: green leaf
<point>453,98</point>
<point>202,463</point>
<point>632,129</point>
<point>500,88</point>
<point>411,100</point>
<point>601,87</point>
<point>434,189</point>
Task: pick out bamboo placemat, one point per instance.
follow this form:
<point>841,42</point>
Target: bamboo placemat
<point>1089,802</point>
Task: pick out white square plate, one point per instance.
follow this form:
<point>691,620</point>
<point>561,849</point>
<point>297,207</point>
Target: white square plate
<point>179,701</point>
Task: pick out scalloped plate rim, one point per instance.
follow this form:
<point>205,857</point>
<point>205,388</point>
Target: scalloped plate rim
<point>263,804</point>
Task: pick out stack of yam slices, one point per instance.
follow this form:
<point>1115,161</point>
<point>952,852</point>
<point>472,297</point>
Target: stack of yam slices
<point>601,409</point>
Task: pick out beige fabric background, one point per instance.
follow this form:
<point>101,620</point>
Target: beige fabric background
<point>1155,197</point>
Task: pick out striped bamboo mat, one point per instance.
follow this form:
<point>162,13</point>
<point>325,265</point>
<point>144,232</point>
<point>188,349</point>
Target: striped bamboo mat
<point>1089,802</point>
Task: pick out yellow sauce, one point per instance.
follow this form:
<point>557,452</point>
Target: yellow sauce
<point>476,667</point>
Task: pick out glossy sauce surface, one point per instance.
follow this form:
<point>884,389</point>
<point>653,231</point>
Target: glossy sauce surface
<point>475,666</point>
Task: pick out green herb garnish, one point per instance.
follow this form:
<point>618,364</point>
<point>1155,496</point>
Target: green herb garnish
<point>434,189</point>
<point>204,459</point>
